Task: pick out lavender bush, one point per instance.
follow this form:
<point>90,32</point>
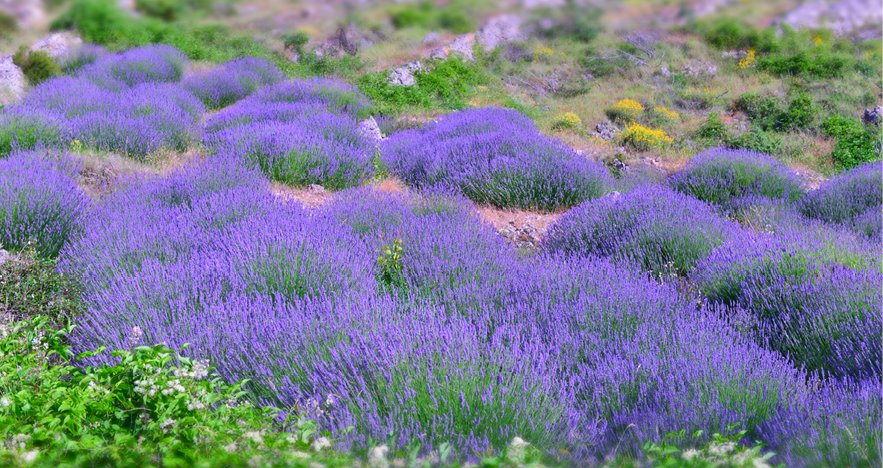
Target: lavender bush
<point>661,230</point>
<point>853,199</point>
<point>496,157</point>
<point>248,111</point>
<point>155,63</point>
<point>332,94</point>
<point>232,81</point>
<point>136,122</point>
<point>39,201</point>
<point>26,129</point>
<point>813,297</point>
<point>722,177</point>
<point>320,149</point>
<point>76,58</point>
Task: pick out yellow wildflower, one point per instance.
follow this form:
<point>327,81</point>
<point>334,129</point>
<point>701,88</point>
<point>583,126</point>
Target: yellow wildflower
<point>748,61</point>
<point>568,120</point>
<point>542,53</point>
<point>627,109</point>
<point>644,138</point>
<point>666,114</point>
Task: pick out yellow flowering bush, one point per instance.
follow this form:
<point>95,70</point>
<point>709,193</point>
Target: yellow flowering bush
<point>542,53</point>
<point>817,40</point>
<point>644,138</point>
<point>749,61</point>
<point>568,120</point>
<point>662,113</point>
<point>626,110</point>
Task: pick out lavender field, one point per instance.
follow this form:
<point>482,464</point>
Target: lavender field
<point>657,311</point>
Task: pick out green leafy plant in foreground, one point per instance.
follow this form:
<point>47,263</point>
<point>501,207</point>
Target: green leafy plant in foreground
<point>152,407</point>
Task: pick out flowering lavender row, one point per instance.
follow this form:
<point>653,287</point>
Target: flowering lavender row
<point>317,149</point>
<point>39,201</point>
<point>24,129</point>
<point>474,346</point>
<point>722,177</point>
<point>653,226</point>
<point>156,63</point>
<point>232,81</point>
<point>496,157</point>
<point>813,296</point>
<point>137,121</point>
<point>853,199</point>
<point>332,94</point>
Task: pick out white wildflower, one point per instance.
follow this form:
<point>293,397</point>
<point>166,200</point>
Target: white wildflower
<point>256,461</point>
<point>321,443</point>
<point>316,465</point>
<point>690,454</point>
<point>5,402</point>
<point>135,337</point>
<point>255,436</point>
<point>517,446</point>
<point>377,456</point>
<point>29,457</point>
<point>291,438</point>
<point>230,448</point>
<point>166,424</point>
<point>299,454</point>
<point>721,450</point>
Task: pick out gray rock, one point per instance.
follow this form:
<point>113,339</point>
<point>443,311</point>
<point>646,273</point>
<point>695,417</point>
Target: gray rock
<point>439,53</point>
<point>523,237</point>
<point>57,44</point>
<point>500,30</point>
<point>316,189</point>
<point>874,116</point>
<point>843,17</point>
<point>404,75</point>
<point>369,129</point>
<point>607,131</point>
<point>462,45</point>
<point>12,81</point>
<point>431,39</point>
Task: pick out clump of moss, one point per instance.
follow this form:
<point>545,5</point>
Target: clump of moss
<point>37,66</point>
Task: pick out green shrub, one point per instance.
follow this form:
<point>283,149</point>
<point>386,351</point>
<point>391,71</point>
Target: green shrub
<point>758,140</point>
<point>802,64</point>
<point>8,25</point>
<point>37,66</point>
<point>579,21</point>
<point>99,22</point>
<point>729,34</point>
<point>456,20</point>
<point>166,10</point>
<point>295,41</point>
<point>602,64</point>
<point>713,129</point>
<point>415,14</point>
<point>32,286</point>
<point>801,112</point>
<point>836,126</point>
<point>764,111</point>
<point>857,147</point>
<point>151,406</point>
<point>444,86</point>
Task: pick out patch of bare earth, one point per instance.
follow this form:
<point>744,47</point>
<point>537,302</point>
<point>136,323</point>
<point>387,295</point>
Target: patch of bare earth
<point>314,196</point>
<point>522,229</point>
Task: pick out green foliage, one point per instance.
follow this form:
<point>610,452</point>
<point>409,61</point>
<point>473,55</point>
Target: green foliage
<point>857,147</point>
<point>103,22</point>
<point>756,139</point>
<point>295,41</point>
<point>446,86</point>
<point>166,10</point>
<point>721,452</point>
<point>31,285</point>
<point>151,406</point>
<point>453,17</point>
<point>729,34</point>
<point>346,66</point>
<point>838,126</point>
<point>37,66</point>
<point>8,25</point>
<point>713,129</point>
<point>819,65</point>
<point>391,274</point>
<point>764,111</point>
<point>801,112</point>
<point>602,65</point>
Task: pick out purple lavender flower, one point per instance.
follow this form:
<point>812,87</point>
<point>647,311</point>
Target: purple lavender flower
<point>813,296</point>
<point>232,81</point>
<point>496,157</point>
<point>661,230</point>
<point>852,199</point>
<point>155,63</point>
<point>26,129</point>
<point>333,94</point>
<point>39,201</point>
<point>721,177</point>
<point>136,122</point>
<point>321,149</point>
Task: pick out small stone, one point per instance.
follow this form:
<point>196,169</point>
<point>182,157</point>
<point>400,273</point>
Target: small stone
<point>431,39</point>
<point>404,75</point>
<point>873,116</point>
<point>317,189</point>
<point>463,45</point>
<point>369,129</point>
<point>57,44</point>
<point>607,131</point>
<point>439,53</point>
